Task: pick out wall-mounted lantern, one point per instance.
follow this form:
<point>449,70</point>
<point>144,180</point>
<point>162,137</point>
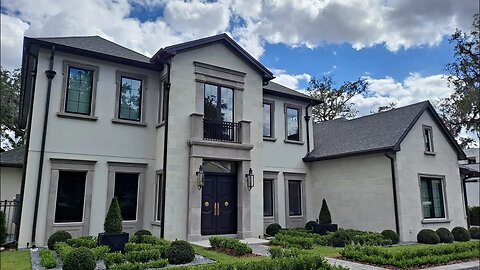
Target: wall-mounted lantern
<point>250,179</point>
<point>200,178</point>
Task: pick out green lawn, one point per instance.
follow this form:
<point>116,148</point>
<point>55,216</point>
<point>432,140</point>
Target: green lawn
<point>15,260</point>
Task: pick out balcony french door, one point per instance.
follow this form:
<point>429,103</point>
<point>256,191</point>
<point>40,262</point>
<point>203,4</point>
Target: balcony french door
<point>218,114</point>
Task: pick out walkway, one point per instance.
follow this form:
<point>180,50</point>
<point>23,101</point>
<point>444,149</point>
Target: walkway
<point>473,265</point>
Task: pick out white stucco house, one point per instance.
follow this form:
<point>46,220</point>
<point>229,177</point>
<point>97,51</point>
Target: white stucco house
<point>11,171</point>
<point>196,141</point>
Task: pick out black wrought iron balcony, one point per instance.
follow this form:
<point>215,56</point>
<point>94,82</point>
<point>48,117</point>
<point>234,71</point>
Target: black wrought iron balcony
<point>222,131</point>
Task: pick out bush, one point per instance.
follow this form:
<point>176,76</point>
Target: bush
<point>474,232</point>
<point>324,217</point>
<point>180,252</point>
<point>338,242</point>
<point>99,252</point>
<point>47,259</point>
<point>427,236</point>
<point>474,213</point>
<point>63,249</point>
<point>3,228</point>
<point>140,266</point>
<point>341,238</point>
<point>231,245</point>
<point>79,259</point>
<point>58,236</point>
<point>391,235</point>
<point>142,232</point>
<point>113,258</point>
<point>278,252</point>
<point>292,241</point>
<point>445,235</point>
<point>113,220</point>
<point>143,255</point>
<point>370,239</point>
<point>83,241</point>
<point>273,229</point>
<point>148,239</point>
<point>460,234</point>
<point>309,225</point>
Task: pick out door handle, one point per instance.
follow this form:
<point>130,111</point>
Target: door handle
<point>217,208</point>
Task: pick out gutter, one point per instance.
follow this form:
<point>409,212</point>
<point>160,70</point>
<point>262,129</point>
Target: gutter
<point>166,86</point>
<point>465,200</point>
<point>307,120</point>
<point>50,75</point>
<point>394,188</point>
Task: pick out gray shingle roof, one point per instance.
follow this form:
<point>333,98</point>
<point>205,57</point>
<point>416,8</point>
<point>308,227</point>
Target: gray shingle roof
<point>278,89</point>
<point>98,45</point>
<point>373,133</point>
<point>13,158</point>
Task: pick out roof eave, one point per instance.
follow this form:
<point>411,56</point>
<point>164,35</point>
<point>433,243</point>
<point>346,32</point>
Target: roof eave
<point>312,101</point>
<point>351,154</point>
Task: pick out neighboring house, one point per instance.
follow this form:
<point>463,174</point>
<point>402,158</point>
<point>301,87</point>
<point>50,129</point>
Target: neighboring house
<point>196,141</point>
<point>470,170</point>
<point>11,171</point>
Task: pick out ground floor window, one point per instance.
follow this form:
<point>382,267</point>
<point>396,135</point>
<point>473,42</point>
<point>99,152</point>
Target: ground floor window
<point>159,196</point>
<point>295,197</point>
<point>268,198</point>
<point>70,196</point>
<point>126,191</point>
<point>432,197</point>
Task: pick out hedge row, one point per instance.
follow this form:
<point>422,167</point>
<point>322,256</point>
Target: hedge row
<point>233,246</point>
<point>412,256</point>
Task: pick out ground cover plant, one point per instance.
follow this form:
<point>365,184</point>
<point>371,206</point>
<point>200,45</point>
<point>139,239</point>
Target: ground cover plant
<point>230,246</point>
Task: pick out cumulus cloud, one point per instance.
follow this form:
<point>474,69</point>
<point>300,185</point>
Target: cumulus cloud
<point>289,80</point>
<point>12,30</point>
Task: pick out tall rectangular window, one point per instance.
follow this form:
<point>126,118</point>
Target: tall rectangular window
<point>126,191</point>
<point>218,103</point>
<point>79,90</point>
<point>293,124</point>
<point>70,196</point>
<point>130,101</point>
<point>268,119</point>
<point>295,197</point>
<point>428,138</point>
<point>159,196</point>
<point>432,197</point>
<point>268,197</point>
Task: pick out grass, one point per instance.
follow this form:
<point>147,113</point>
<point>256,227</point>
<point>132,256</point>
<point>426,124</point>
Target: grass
<point>222,257</point>
<point>15,260</point>
<point>325,251</point>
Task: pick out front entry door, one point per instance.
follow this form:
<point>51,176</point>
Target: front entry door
<point>219,204</point>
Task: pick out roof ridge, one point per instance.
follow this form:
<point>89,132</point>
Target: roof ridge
<point>389,111</point>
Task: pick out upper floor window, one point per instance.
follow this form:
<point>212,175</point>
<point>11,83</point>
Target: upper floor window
<point>428,138</point>
<point>268,119</point>
<point>218,103</point>
<point>292,125</point>
<point>130,98</point>
<point>432,197</point>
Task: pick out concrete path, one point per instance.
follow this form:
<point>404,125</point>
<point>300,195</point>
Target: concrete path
<point>352,265</point>
<point>473,265</point>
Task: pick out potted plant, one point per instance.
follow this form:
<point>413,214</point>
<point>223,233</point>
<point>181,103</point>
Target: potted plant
<point>113,237</point>
<point>324,221</point>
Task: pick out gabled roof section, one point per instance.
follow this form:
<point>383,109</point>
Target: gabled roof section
<point>166,53</point>
<point>13,158</point>
<point>276,89</point>
<point>380,132</point>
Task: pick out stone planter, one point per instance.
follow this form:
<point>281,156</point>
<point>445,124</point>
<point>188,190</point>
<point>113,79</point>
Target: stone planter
<point>116,242</point>
<point>324,228</point>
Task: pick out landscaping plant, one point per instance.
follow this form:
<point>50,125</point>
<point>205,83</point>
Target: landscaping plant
<point>180,252</point>
<point>142,232</point>
<point>310,224</point>
<point>427,236</point>
<point>58,236</point>
<point>474,232</point>
<point>47,259</point>
<point>79,259</point>
<point>460,234</point>
<point>391,235</point>
<point>444,235</point>
<point>273,229</point>
<point>113,220</point>
<point>324,217</point>
<point>230,245</point>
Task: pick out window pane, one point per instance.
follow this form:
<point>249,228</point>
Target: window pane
<point>164,105</point>
<point>292,125</point>
<point>432,198</point>
<point>437,198</point>
<point>294,198</point>
<point>70,196</point>
<point>227,104</point>
<point>159,196</point>
<point>210,102</point>
<point>427,135</point>
<point>267,132</point>
<point>130,99</point>
<point>126,189</point>
<point>268,198</point>
<point>79,90</point>
<point>219,166</point>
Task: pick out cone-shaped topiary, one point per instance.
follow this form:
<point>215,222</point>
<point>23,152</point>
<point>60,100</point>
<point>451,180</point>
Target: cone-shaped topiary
<point>113,220</point>
<point>324,217</point>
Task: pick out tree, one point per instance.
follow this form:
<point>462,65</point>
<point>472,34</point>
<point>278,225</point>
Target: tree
<point>388,107</point>
<point>113,220</point>
<point>324,217</point>
<point>11,134</point>
<point>461,110</point>
<point>335,101</point>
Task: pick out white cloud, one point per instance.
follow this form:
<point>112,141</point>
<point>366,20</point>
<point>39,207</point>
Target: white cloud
<point>289,80</point>
<point>12,30</point>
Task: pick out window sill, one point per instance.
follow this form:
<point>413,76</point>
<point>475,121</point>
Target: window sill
<point>156,223</point>
<point>268,139</point>
<point>294,142</point>
<point>159,125</point>
<point>430,153</point>
<point>127,122</point>
<point>77,116</point>
<point>435,220</point>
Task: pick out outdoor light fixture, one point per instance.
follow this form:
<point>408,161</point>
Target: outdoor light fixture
<point>200,178</point>
<point>250,178</point>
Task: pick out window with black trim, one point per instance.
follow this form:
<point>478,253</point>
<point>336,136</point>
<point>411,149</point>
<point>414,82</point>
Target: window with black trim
<point>292,118</point>
<point>268,119</point>
<point>268,204</point>
<point>295,197</point>
<point>432,197</point>
<point>70,196</point>
<point>428,139</point>
<point>126,191</point>
<point>130,101</point>
<point>159,196</point>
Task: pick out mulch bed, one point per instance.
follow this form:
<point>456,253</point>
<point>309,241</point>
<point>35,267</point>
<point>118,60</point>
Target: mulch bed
<point>232,253</point>
<point>410,268</point>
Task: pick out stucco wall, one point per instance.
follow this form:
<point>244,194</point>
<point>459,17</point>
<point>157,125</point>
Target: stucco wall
<point>412,161</point>
<point>10,182</point>
<point>358,191</point>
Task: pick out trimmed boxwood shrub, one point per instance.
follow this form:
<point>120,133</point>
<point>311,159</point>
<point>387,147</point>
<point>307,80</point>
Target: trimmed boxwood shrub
<point>114,258</point>
<point>309,225</point>
<point>113,220</point>
<point>445,235</point>
<point>341,238</point>
<point>474,232</point>
<point>232,245</point>
<point>58,236</point>
<point>83,241</point>
<point>427,236</point>
<point>63,249</point>
<point>180,252</point>
<point>460,234</point>
<point>3,228</point>
<point>278,252</point>
<point>273,229</point>
<point>391,235</point>
<point>142,232</point>
<point>324,217</point>
<point>143,255</point>
<point>79,259</point>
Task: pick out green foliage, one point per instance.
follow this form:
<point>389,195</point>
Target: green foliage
<point>474,232</point>
<point>273,229</point>
<point>233,246</point>
<point>142,232</point>
<point>62,249</point>
<point>278,252</point>
<point>391,235</point>
<point>83,241</point>
<point>140,266</point>
<point>180,252</point>
<point>47,259</point>
<point>309,225</point>
<point>427,236</point>
<point>114,258</point>
<point>10,108</point>
<point>79,259</point>
<point>113,220</point>
<point>444,235</point>
<point>474,213</point>
<point>460,234</point>
<point>99,252</point>
<point>324,217</point>
<point>3,228</point>
<point>412,256</point>
<point>148,239</point>
<point>292,241</point>
<point>143,255</point>
<point>58,236</point>
<point>341,238</point>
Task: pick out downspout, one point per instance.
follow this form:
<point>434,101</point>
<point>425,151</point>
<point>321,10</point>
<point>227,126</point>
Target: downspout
<point>464,185</point>
<point>50,75</point>
<point>307,120</point>
<point>394,187</point>
<point>166,87</point>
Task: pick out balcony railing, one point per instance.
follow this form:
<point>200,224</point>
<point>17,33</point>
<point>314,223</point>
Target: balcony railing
<point>222,131</point>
